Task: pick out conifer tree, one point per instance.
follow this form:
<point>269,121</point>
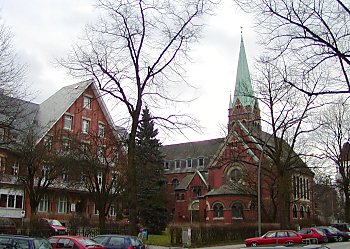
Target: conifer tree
<point>151,198</point>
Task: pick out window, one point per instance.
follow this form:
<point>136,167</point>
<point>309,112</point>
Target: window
<point>99,178</point>
<point>2,134</point>
<point>66,144</point>
<point>112,211</point>
<point>62,205</point>
<point>64,177</point>
<point>96,212</point>
<point>15,168</point>
<point>11,201</point>
<point>197,190</point>
<point>87,102</point>
<point>101,130</point>
<point>201,162</point>
<point>295,214</point>
<point>166,165</point>
<point>301,212</point>
<point>45,172</point>
<point>218,209</point>
<point>189,163</point>
<point>175,183</point>
<point>44,204</point>
<point>2,165</point>
<point>48,142</point>
<point>237,211</point>
<point>101,153</point>
<point>85,147</point>
<point>85,126</point>
<point>234,175</point>
<point>177,164</point>
<point>68,122</point>
<point>20,243</point>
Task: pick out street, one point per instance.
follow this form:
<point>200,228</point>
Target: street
<point>335,245</point>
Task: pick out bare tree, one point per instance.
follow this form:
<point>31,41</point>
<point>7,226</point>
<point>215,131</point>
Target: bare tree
<point>11,86</point>
<point>99,168</point>
<point>136,55</point>
<point>331,143</point>
<point>312,35</point>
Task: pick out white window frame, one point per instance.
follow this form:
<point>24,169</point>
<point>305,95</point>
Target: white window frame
<point>66,143</point>
<point>99,178</point>
<point>101,130</point>
<point>199,159</point>
<point>177,164</point>
<point>189,162</point>
<point>15,168</point>
<point>44,204</point>
<point>85,126</point>
<point>87,102</point>
<point>62,204</point>
<point>68,122</point>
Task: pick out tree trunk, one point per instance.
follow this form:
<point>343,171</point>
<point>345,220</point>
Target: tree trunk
<point>102,221</point>
<point>132,190</point>
<point>347,203</point>
<point>284,202</point>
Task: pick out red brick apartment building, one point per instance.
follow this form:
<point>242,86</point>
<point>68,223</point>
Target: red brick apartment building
<point>215,181</point>
<point>75,109</point>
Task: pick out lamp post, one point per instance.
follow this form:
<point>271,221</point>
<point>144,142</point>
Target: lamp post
<point>259,188</point>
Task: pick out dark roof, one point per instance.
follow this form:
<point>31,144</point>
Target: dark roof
<point>230,189</point>
<point>206,149</point>
<point>185,182</point>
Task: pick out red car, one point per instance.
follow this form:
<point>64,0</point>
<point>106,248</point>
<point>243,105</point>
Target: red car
<point>278,237</point>
<point>53,226</point>
<point>313,235</point>
<point>74,242</point>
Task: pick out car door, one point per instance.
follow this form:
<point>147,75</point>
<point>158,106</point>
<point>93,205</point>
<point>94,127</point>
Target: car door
<point>282,237</point>
<point>268,239</point>
<point>19,243</point>
<point>116,242</point>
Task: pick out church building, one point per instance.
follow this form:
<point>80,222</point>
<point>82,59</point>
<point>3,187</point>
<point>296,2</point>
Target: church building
<point>216,181</point>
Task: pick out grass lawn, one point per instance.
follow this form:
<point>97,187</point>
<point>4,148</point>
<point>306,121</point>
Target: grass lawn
<point>159,240</point>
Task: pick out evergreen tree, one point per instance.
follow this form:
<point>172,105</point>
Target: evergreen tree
<point>151,197</point>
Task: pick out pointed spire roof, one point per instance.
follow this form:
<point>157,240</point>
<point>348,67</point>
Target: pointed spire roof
<point>243,88</point>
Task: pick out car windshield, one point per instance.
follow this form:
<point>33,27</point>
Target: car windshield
<point>87,242</point>
<point>55,223</point>
<point>42,244</point>
<point>320,231</point>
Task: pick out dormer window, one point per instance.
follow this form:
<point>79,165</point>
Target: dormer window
<point>87,102</point>
<point>189,163</point>
<point>166,165</point>
<point>68,122</point>
<point>177,164</point>
<point>201,162</point>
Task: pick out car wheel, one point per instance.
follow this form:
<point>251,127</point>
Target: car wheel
<point>340,238</point>
<point>253,244</point>
<point>290,243</point>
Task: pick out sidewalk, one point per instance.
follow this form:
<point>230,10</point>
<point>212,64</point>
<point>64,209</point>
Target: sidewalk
<point>212,247</point>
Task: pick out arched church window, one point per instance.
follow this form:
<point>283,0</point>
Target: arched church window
<point>295,213</point>
<point>234,175</point>
<point>308,213</point>
<point>218,209</point>
<point>237,211</point>
<point>175,183</point>
<point>301,212</point>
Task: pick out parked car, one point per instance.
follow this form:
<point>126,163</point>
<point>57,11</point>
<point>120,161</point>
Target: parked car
<point>345,227</point>
<point>313,235</point>
<point>119,242</point>
<point>54,227</point>
<point>288,237</point>
<point>341,236</point>
<point>331,234</point>
<point>74,242</point>
<point>23,242</point>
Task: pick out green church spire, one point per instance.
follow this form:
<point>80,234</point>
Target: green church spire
<point>243,89</point>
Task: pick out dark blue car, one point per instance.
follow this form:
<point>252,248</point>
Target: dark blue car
<point>23,242</point>
<point>119,242</point>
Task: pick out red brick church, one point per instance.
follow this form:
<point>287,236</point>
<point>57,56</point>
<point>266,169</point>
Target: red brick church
<point>215,181</point>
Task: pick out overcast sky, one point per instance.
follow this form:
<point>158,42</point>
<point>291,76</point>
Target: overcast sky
<point>45,30</point>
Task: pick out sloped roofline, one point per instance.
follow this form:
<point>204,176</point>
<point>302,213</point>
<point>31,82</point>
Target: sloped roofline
<point>84,85</point>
